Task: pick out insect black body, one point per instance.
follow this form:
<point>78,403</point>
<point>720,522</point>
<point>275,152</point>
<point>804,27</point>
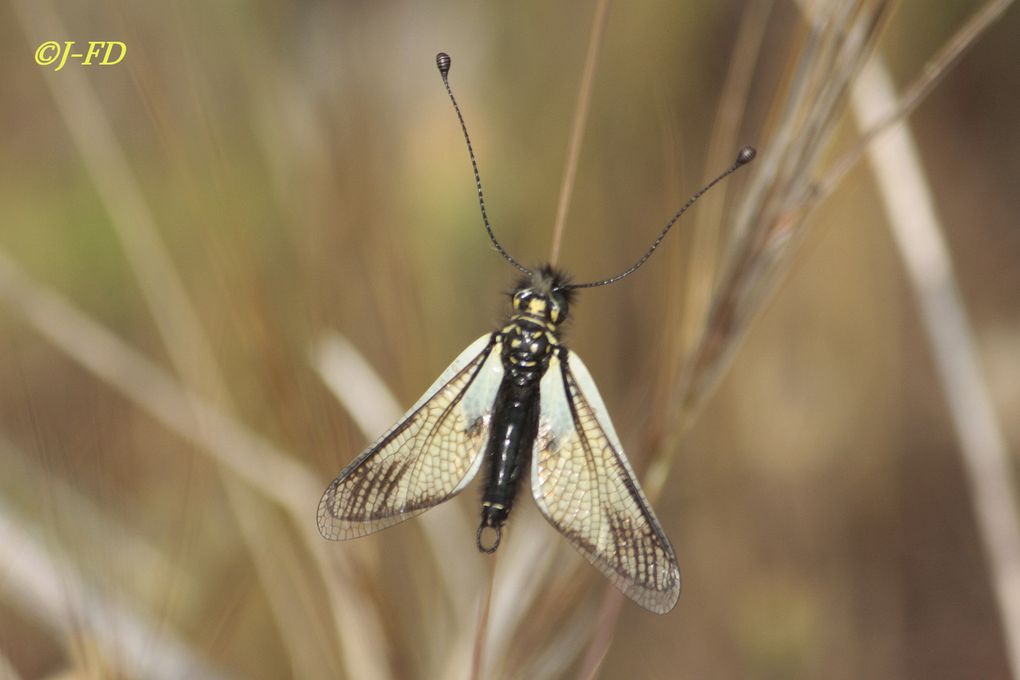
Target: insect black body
<point>528,342</point>
<point>518,401</point>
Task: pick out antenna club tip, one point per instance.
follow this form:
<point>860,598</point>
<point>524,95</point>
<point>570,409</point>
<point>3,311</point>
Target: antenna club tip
<point>746,155</point>
<point>443,61</point>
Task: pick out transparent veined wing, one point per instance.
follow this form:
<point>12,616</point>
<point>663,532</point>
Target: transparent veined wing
<point>430,455</point>
<point>585,487</point>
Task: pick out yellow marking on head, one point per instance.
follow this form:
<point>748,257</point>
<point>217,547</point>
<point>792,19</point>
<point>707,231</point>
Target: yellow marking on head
<point>537,307</point>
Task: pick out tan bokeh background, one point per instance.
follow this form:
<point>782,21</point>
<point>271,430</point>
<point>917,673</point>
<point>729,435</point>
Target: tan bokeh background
<point>303,167</point>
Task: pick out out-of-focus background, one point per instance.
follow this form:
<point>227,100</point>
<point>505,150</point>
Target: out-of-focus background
<point>264,199</point>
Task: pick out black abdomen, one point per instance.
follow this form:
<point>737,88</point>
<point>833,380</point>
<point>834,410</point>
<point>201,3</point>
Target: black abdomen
<point>527,346</point>
<point>507,454</point>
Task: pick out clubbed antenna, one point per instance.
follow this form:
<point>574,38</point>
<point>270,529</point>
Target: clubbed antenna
<point>443,62</point>
<point>745,156</point>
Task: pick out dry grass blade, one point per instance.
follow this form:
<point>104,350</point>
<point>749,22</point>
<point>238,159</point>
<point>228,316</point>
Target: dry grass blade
<point>555,660</point>
<point>161,286</point>
<point>602,637</point>
<point>837,43</point>
<point>910,210</point>
<point>49,589</point>
<point>524,570</point>
<point>839,37</point>
<point>179,326</point>
<point>703,261</point>
<point>7,671</point>
<point>768,225</point>
<point>358,387</point>
<point>578,126</point>
<point>772,218</point>
<point>355,384</point>
<point>246,456</point>
<point>936,68</point>
<point>481,636</point>
<point>262,466</point>
<point>130,215</point>
<point>138,560</point>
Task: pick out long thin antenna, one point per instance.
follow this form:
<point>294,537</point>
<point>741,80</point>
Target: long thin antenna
<point>745,156</point>
<point>443,61</point>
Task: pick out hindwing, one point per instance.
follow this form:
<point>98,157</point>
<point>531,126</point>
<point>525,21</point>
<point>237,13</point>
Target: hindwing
<point>585,487</point>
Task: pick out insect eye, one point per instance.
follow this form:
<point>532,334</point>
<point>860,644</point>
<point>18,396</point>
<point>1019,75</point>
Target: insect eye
<point>557,308</point>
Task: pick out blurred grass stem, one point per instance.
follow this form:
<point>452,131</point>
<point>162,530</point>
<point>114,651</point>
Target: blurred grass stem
<point>703,259</point>
<point>774,218</point>
<point>245,455</point>
<point>481,633</point>
<point>159,282</point>
<point>578,126</point>
<point>911,214</point>
<point>934,70</point>
<point>602,635</point>
<point>364,395</point>
<point>138,558</point>
<point>188,346</point>
<point>48,588</point>
<point>7,671</point>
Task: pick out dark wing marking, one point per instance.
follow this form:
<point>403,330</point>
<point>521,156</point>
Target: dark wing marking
<point>426,458</point>
<point>585,487</point>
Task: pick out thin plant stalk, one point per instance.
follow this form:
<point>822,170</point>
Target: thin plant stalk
<point>262,466</point>
<point>602,636</point>
<point>7,671</point>
<point>578,126</point>
<point>764,235</point>
<point>838,37</point>
<point>157,277</point>
<point>167,299</point>
<point>137,557</point>
<point>931,75</point>
<point>481,635</point>
<point>44,586</point>
<point>912,217</point>
<point>709,230</point>
<point>784,228</point>
<point>363,394</point>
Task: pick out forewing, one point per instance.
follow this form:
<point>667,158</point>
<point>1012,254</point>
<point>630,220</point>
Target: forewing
<point>585,487</point>
<point>426,458</point>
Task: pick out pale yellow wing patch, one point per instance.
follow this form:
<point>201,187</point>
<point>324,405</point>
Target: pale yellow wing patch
<point>585,487</point>
<point>426,458</point>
